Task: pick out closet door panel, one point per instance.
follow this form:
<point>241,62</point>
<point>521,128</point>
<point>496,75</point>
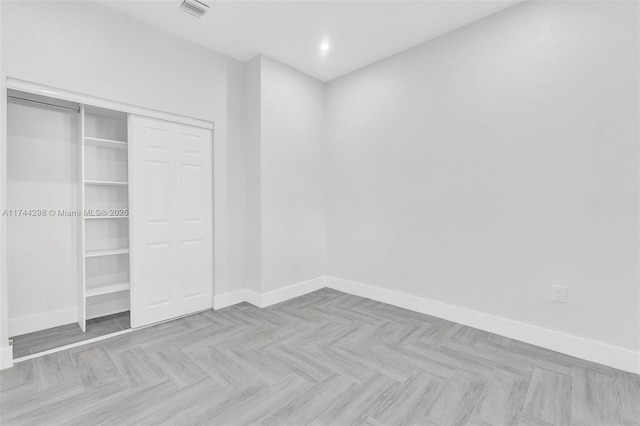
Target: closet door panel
<point>191,201</point>
<point>159,270</point>
<point>192,252</point>
<point>158,195</point>
<point>172,235</point>
<point>196,213</point>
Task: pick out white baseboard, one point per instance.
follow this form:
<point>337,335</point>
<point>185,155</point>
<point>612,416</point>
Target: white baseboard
<point>238,296</point>
<point>228,299</point>
<point>31,323</point>
<point>6,357</point>
<point>292,291</point>
<point>601,353</point>
<point>253,297</point>
<point>262,300</point>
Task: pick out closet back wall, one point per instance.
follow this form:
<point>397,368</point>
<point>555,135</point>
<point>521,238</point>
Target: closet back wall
<point>42,251</point>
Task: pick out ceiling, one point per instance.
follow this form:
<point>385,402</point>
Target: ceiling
<point>358,32</point>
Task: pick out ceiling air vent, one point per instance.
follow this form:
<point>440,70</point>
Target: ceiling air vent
<point>194,7</point>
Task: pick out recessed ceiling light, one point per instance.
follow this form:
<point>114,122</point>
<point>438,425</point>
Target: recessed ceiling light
<point>324,47</point>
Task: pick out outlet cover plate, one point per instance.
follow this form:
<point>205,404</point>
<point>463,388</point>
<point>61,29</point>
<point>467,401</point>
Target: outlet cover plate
<point>560,293</point>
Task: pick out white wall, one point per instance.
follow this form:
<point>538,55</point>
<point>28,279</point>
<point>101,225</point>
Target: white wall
<point>235,187</point>
<point>293,176</point>
<point>253,194</point>
<point>82,47</point>
<point>286,176</point>
<point>482,167</point>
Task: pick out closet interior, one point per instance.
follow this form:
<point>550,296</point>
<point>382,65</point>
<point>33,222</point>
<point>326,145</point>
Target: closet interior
<point>67,221</point>
<point>109,217</point>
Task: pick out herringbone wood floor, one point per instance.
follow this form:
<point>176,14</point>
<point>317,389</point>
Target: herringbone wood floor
<point>43,340</point>
<point>324,358</point>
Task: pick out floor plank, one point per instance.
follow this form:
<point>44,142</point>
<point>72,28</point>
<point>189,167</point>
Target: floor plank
<point>309,404</point>
<point>628,391</point>
<point>411,400</point>
<point>182,370</point>
<point>457,399</point>
<point>138,368</point>
<point>20,374</point>
<point>24,400</point>
<point>67,405</point>
<point>502,402</point>
<point>548,399</point>
<point>95,367</point>
<point>594,399</point>
<point>54,369</point>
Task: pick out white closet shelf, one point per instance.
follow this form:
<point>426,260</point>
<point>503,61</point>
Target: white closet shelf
<point>105,182</point>
<point>105,143</point>
<point>112,252</point>
<point>106,217</point>
<point>108,288</point>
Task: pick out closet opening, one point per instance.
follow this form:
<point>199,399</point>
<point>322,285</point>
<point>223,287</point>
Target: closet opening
<point>67,222</point>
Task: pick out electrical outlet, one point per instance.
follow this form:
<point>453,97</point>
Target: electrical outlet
<point>296,260</point>
<point>560,293</point>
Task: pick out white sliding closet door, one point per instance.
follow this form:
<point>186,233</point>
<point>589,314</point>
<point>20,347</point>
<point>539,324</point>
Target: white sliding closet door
<point>172,220</point>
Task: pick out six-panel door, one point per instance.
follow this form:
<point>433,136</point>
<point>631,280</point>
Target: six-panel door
<point>172,220</point>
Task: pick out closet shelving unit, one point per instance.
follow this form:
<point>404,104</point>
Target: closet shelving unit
<point>105,183</point>
<point>112,252</point>
<point>105,202</point>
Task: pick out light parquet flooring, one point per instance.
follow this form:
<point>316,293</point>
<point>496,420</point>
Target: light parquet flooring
<point>326,358</point>
<point>44,340</point>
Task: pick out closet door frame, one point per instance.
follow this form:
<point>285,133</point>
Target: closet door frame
<point>6,354</point>
<point>219,196</point>
<point>82,260</point>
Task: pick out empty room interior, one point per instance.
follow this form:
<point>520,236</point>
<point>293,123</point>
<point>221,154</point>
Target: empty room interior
<point>327,212</point>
